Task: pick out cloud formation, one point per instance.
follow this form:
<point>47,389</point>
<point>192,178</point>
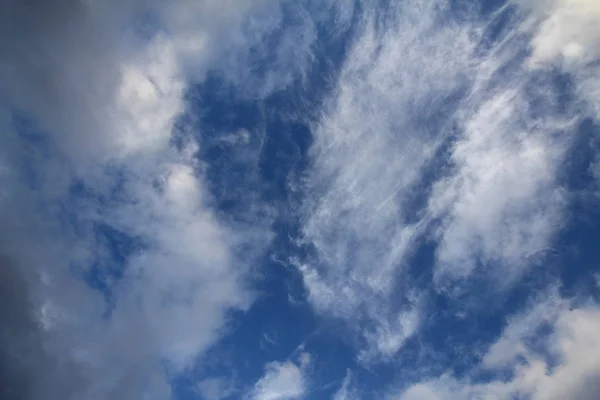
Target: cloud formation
<point>435,170</point>
<point>345,392</point>
<point>103,99</point>
<point>554,366</point>
<point>440,130</point>
<point>368,153</point>
<point>283,381</point>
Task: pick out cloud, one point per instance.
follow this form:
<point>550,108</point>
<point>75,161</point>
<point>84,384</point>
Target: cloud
<point>437,131</point>
<point>282,381</point>
<point>565,35</point>
<point>565,28</point>
<point>477,174</point>
<point>345,392</point>
<point>215,389</point>
<point>370,146</point>
<point>101,102</point>
<point>502,204</point>
<point>387,338</point>
<point>560,364</point>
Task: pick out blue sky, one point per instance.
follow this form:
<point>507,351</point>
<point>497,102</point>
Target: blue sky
<point>280,200</point>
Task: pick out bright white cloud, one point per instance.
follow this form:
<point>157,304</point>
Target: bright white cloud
<point>502,204</point>
<point>565,28</point>
<point>565,34</point>
<point>566,368</point>
<point>283,381</point>
<point>496,203</point>
<point>369,149</point>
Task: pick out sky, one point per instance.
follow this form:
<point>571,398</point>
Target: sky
<point>308,199</point>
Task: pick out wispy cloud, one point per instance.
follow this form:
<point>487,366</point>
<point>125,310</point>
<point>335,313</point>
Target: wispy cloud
<point>369,149</point>
<point>565,36</point>
<point>439,129</point>
<point>502,204</point>
<point>345,392</point>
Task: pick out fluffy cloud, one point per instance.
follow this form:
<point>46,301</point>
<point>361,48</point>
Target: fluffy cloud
<point>282,381</point>
<point>565,34</point>
<point>502,204</point>
<point>103,98</point>
<point>565,28</point>
<point>559,365</point>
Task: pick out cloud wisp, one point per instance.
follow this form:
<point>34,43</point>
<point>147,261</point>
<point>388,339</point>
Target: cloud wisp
<point>442,129</point>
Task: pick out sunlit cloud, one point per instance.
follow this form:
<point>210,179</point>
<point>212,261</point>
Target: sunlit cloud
<point>283,381</point>
<point>555,366</point>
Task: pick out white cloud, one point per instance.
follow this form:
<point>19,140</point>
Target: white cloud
<point>283,381</point>
<point>565,368</point>
<point>565,33</point>
<point>416,84</point>
<point>565,28</point>
<point>388,338</point>
<point>370,146</point>
<point>502,204</point>
<point>498,202</point>
<point>104,101</point>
